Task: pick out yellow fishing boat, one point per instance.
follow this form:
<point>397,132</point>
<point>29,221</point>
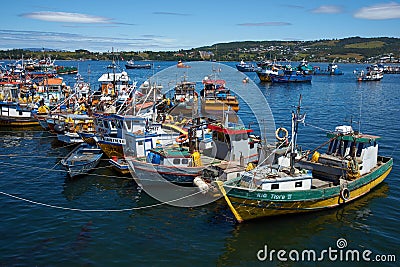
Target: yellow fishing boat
<point>349,169</point>
<point>216,97</point>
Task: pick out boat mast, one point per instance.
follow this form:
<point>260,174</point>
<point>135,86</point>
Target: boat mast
<point>296,118</point>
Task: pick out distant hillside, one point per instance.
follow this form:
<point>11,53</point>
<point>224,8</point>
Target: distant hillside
<point>349,49</point>
<point>353,49</point>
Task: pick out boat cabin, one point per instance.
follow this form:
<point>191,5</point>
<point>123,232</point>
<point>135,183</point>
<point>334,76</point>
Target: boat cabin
<point>232,143</point>
<point>113,83</point>
<point>346,143</point>
<point>272,179</point>
<point>171,156</point>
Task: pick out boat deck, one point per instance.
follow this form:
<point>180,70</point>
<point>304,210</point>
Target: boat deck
<point>318,183</point>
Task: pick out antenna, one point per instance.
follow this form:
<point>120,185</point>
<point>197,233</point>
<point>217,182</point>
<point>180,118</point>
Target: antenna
<point>359,120</point>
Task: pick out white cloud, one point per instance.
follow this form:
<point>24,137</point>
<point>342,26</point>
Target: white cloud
<point>261,24</point>
<point>379,12</point>
<point>10,39</point>
<point>66,17</point>
<point>327,10</point>
<point>170,13</point>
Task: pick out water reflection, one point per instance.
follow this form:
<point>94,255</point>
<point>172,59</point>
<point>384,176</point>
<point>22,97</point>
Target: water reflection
<point>299,231</point>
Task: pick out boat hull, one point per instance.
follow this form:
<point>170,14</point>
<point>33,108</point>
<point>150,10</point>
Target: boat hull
<point>291,78</point>
<point>81,160</point>
<point>253,204</point>
<point>119,165</point>
<point>145,66</point>
<point>216,106</point>
<point>246,68</point>
<point>111,149</point>
<point>156,172</point>
<point>264,77</point>
<point>13,115</point>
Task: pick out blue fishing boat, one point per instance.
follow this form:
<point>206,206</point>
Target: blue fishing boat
<point>332,69</point>
<point>290,76</point>
<point>246,67</point>
<point>82,159</point>
<point>305,68</point>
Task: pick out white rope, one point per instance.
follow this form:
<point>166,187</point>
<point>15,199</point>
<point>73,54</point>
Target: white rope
<point>97,210</point>
<point>27,137</point>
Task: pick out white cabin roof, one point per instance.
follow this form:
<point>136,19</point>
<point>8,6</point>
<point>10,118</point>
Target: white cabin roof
<point>109,77</point>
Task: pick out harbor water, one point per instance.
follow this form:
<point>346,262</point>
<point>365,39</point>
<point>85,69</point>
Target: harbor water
<point>103,219</point>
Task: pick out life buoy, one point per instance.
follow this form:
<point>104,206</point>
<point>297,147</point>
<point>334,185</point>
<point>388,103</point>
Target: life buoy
<point>182,138</point>
<point>345,194</point>
<point>284,131</point>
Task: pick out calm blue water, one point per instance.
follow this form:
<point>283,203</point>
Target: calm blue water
<point>46,232</point>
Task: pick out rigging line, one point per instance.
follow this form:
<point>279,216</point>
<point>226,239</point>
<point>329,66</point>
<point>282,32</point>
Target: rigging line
<point>35,178</point>
<point>316,127</point>
<point>28,156</point>
<point>99,210</point>
<point>66,146</point>
<point>28,137</point>
<point>129,178</point>
<point>91,174</point>
<point>394,150</point>
<point>34,155</point>
<point>21,132</point>
<point>272,153</point>
<point>32,167</point>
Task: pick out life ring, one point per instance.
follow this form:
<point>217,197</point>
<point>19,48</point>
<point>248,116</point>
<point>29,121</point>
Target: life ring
<point>345,194</point>
<point>182,138</point>
<point>284,131</point>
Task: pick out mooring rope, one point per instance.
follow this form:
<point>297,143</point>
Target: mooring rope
<point>98,210</point>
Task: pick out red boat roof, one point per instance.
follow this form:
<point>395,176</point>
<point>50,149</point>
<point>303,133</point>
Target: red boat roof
<point>214,82</point>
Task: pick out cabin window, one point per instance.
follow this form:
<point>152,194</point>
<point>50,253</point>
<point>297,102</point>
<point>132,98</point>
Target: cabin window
<point>176,161</point>
<point>113,124</point>
<point>251,145</point>
<point>119,125</point>
<point>274,186</point>
<point>185,161</point>
<point>227,139</point>
<point>140,143</point>
<point>359,149</point>
<point>220,136</point>
<point>339,149</point>
<point>298,184</point>
<point>333,146</point>
<point>330,147</point>
<point>345,145</point>
<point>20,112</point>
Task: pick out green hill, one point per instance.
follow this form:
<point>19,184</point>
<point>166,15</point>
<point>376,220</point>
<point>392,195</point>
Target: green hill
<point>353,49</point>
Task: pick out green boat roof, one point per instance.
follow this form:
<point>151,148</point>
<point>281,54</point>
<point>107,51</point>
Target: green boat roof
<point>359,138</point>
<point>172,152</point>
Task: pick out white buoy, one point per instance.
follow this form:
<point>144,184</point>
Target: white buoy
<point>203,186</point>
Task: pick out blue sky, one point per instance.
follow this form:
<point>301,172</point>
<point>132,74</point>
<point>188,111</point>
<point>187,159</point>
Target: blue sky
<point>99,25</point>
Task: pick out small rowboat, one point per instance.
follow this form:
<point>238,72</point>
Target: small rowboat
<point>82,159</point>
